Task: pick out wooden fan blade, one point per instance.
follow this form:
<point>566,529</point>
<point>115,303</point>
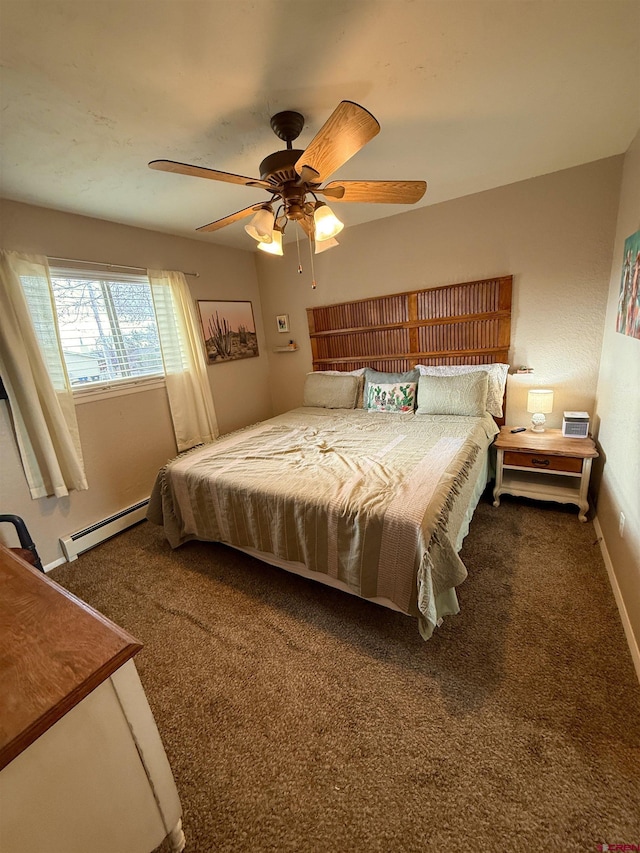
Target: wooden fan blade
<point>377,192</point>
<point>345,132</point>
<point>233,217</point>
<point>336,190</point>
<point>211,174</point>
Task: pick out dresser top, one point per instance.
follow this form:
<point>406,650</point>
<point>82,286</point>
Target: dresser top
<point>55,650</point>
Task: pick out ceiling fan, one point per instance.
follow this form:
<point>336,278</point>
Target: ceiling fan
<point>294,177</point>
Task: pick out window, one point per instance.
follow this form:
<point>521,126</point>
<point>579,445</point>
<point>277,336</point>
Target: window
<point>108,330</point>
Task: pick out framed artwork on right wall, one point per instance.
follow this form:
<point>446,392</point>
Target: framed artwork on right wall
<point>628,317</point>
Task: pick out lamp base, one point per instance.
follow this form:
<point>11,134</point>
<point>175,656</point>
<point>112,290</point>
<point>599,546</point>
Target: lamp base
<point>538,422</point>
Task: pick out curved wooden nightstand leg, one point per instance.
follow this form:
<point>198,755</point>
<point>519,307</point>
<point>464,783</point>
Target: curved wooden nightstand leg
<point>583,503</point>
<point>176,838</point>
<point>497,488</point>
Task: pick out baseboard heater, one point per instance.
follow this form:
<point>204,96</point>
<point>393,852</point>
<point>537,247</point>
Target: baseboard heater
<point>96,533</point>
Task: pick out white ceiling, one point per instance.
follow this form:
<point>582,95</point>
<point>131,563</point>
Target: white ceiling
<point>469,95</point>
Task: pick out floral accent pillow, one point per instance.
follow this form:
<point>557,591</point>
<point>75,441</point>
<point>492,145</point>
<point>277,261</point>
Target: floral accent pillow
<point>380,378</point>
<point>391,397</point>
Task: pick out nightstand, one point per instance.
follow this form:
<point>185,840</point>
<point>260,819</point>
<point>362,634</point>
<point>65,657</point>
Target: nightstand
<point>545,466</point>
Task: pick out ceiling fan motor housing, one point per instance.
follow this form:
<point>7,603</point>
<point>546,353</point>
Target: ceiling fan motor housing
<point>278,168</point>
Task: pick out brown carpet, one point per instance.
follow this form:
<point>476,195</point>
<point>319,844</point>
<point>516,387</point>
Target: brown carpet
<point>297,718</point>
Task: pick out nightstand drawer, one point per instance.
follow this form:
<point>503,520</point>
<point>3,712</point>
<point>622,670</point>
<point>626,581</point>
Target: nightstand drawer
<point>542,461</point>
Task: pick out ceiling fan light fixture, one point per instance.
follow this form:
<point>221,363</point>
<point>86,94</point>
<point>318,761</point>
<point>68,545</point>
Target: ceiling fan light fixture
<point>327,224</point>
<point>325,244</point>
<point>275,246</point>
<point>261,226</point>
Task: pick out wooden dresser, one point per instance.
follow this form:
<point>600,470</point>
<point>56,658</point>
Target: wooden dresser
<point>82,766</point>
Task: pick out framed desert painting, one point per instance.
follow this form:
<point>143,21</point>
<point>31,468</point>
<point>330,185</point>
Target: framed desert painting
<point>628,317</point>
<point>228,329</point>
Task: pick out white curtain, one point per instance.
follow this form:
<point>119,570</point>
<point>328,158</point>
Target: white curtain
<point>35,377</point>
<point>190,400</point>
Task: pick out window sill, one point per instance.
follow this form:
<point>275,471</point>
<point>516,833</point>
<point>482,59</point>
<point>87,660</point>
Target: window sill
<point>116,389</point>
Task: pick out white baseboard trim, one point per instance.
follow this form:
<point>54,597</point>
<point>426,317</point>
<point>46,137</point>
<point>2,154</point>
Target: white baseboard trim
<point>102,530</point>
<point>55,564</point>
<point>624,616</point>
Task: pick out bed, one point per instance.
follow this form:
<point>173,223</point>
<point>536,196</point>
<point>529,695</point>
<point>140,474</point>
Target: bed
<point>371,485</point>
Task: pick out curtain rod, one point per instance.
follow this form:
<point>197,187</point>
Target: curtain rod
<point>112,266</point>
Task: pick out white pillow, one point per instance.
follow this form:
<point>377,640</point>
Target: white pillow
<point>464,394</point>
<point>497,379</point>
<point>331,391</point>
<point>359,373</point>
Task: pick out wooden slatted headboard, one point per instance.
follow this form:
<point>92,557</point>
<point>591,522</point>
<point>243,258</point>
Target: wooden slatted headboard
<point>467,323</point>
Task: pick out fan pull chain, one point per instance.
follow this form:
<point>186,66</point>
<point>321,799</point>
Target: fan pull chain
<point>313,273</point>
<point>298,247</point>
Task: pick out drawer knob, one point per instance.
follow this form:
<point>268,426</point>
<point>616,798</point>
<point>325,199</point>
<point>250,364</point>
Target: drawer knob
<point>541,462</point>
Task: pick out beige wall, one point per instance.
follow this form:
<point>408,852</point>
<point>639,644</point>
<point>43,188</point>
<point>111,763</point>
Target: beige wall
<point>126,439</point>
<point>554,234</point>
<point>618,415</point>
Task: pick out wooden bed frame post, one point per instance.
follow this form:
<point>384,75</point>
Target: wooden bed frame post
<point>504,306</point>
<point>413,329</point>
<point>312,337</point>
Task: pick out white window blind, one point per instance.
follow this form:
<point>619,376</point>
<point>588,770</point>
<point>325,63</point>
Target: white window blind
<point>108,330</point>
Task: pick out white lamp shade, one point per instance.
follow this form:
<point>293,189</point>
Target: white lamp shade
<point>275,246</point>
<point>540,401</point>
<point>327,224</point>
<point>326,244</point>
<point>261,226</point>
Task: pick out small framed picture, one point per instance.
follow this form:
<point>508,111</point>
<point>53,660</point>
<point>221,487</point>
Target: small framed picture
<point>283,322</point>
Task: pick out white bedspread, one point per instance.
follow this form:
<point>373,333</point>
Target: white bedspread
<point>367,499</point>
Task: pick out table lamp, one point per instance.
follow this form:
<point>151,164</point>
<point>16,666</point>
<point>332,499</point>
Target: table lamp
<point>539,404</point>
